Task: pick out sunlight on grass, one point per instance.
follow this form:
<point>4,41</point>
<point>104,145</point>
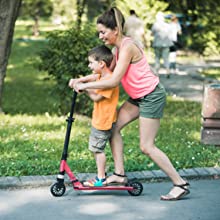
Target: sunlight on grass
<point>196,135</point>
<point>10,66</point>
<point>23,29</point>
<point>23,44</point>
<point>25,138</point>
<point>213,73</point>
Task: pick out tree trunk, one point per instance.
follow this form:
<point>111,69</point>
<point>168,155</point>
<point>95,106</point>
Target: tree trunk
<point>8,14</point>
<point>36,31</point>
<point>80,4</point>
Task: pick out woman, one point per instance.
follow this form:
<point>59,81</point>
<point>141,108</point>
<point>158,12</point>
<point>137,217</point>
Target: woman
<point>146,102</point>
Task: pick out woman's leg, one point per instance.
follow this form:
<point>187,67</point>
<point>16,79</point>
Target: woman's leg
<point>127,113</point>
<point>148,131</point>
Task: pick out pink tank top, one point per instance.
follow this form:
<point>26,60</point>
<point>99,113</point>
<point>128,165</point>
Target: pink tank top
<point>138,80</point>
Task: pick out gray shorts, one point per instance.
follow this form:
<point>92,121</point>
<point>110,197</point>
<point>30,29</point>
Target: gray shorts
<point>98,139</point>
<point>151,105</point>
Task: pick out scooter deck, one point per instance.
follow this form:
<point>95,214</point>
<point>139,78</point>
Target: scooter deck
<point>103,187</point>
<point>77,185</point>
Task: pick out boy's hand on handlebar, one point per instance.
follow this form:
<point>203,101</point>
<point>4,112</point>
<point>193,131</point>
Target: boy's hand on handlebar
<point>76,85</point>
<point>72,82</point>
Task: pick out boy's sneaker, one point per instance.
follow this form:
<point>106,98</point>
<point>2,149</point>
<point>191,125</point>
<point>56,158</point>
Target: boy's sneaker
<point>94,182</point>
<point>99,182</point>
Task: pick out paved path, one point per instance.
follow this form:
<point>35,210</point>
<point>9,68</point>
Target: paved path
<point>188,83</point>
<point>24,204</point>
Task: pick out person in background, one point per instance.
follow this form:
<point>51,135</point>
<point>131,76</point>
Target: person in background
<point>146,101</point>
<point>161,42</point>
<point>134,28</point>
<point>104,112</point>
<point>175,32</point>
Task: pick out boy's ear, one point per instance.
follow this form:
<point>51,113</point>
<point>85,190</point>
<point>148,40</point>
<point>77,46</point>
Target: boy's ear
<point>102,64</point>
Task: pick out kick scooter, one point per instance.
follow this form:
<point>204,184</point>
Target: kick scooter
<point>133,187</point>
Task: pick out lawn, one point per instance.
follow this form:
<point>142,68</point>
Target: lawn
<point>32,133</point>
<point>211,73</point>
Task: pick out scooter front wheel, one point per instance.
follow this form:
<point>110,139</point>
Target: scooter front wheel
<point>58,189</point>
<point>137,188</point>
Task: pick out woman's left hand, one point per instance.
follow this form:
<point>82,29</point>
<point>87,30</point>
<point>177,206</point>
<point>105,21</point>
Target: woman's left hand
<point>79,87</point>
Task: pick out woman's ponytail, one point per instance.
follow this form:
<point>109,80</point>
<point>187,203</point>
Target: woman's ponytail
<point>119,18</point>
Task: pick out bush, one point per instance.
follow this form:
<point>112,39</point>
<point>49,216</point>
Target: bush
<point>65,57</point>
<point>205,42</point>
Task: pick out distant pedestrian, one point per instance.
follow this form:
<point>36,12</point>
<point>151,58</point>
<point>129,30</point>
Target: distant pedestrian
<point>175,31</point>
<point>161,42</point>
<point>134,28</point>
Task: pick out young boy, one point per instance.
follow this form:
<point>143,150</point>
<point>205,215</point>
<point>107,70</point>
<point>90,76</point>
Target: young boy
<point>104,112</point>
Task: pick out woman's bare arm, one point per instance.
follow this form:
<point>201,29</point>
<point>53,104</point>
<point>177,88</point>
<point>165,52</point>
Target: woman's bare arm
<point>88,78</point>
<point>124,60</point>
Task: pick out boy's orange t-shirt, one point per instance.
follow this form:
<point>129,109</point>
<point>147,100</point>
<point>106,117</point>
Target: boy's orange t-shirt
<point>105,111</point>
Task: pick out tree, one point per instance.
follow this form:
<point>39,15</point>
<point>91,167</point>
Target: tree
<point>8,14</point>
<point>79,11</point>
<point>145,9</point>
<point>87,7</point>
<point>36,9</point>
<point>203,31</point>
<point>80,4</point>
<point>64,12</point>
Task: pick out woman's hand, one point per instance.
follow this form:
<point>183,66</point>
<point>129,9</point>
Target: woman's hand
<point>72,82</point>
<point>79,87</point>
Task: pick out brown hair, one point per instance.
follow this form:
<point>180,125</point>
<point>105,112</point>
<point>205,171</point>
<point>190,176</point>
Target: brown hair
<point>112,19</point>
<point>101,53</point>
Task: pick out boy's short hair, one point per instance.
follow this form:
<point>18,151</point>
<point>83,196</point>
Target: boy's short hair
<point>101,53</point>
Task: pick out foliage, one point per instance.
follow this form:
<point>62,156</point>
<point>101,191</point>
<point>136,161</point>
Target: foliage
<point>211,73</point>
<point>64,11</point>
<point>67,11</point>
<point>145,9</point>
<point>36,8</point>
<point>65,57</point>
<point>203,20</point>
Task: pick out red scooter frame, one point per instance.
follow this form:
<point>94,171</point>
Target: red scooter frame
<point>133,187</point>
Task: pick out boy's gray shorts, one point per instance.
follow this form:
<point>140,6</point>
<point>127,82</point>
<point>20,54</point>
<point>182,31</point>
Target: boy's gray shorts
<point>98,139</point>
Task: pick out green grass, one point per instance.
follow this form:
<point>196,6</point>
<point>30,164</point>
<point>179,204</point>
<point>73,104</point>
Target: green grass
<point>212,73</point>
<point>24,29</point>
<point>32,133</point>
<point>26,91</point>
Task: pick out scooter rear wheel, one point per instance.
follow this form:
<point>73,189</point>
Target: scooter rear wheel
<point>137,188</point>
<point>58,189</point>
